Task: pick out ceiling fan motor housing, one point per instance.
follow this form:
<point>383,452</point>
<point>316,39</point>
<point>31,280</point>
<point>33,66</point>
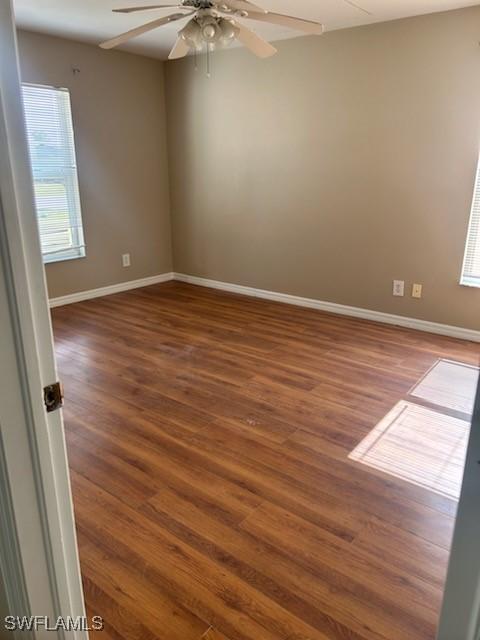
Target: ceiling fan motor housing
<point>219,5</point>
<point>199,4</point>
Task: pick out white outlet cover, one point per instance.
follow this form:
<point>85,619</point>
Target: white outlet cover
<point>399,288</point>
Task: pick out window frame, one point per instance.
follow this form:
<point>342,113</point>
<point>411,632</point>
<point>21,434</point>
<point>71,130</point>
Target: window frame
<point>78,251</point>
<point>471,281</point>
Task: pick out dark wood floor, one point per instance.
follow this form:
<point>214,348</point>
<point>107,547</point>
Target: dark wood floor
<point>208,437</point>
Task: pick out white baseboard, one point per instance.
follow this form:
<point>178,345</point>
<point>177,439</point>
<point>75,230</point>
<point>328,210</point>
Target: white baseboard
<point>311,303</point>
<point>340,309</point>
<point>106,291</point>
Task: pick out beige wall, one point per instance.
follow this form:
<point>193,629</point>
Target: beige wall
<point>119,119</point>
<point>329,170</point>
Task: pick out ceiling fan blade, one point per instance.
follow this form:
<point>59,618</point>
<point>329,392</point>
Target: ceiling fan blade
<point>149,8</point>
<point>252,41</point>
<point>133,33</point>
<point>240,5</point>
<point>180,49</point>
<point>308,26</point>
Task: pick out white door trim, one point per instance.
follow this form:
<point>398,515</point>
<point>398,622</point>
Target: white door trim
<point>34,452</point>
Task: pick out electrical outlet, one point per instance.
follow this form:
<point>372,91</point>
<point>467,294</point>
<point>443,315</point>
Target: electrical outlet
<point>417,291</point>
<point>399,288</point>
<point>126,259</point>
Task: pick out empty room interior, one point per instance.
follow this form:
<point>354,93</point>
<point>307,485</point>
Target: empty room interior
<point>260,229</point>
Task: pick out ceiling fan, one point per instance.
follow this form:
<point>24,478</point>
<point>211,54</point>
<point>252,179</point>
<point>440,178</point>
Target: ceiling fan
<point>214,24</point>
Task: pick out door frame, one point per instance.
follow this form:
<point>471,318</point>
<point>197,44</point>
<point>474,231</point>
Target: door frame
<point>460,617</point>
<point>42,574</point>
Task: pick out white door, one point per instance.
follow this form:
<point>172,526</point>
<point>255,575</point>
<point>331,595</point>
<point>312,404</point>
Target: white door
<point>460,619</point>
<point>38,549</point>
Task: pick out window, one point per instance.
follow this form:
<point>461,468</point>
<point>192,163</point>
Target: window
<point>52,154</point>
<point>471,263</point>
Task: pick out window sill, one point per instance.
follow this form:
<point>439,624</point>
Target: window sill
<point>64,257</point>
<point>473,283</point>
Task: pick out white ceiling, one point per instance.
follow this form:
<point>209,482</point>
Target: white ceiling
<point>92,20</point>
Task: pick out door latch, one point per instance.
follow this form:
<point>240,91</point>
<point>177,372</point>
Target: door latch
<point>53,396</point>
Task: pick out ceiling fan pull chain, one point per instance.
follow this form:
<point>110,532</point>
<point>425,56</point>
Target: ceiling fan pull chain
<point>208,60</point>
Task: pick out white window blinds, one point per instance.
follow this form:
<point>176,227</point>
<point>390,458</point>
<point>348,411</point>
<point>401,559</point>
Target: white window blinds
<point>52,154</point>
<point>471,264</point>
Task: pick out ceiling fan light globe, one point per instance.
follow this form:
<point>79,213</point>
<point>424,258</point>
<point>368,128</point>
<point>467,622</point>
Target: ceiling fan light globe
<point>209,33</point>
<point>228,30</point>
<point>194,43</point>
<point>225,43</point>
<point>192,34</point>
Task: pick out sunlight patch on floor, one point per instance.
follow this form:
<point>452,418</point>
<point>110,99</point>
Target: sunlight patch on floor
<point>419,445</point>
<point>451,385</point>
<point>426,445</point>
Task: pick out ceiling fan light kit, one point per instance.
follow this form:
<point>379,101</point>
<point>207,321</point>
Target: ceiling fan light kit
<point>209,30</point>
<point>214,24</point>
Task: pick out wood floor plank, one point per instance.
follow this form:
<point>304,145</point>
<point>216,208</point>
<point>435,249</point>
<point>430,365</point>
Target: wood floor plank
<point>314,467</point>
<point>108,472</point>
<point>321,451</point>
<point>200,584</point>
<point>114,616</point>
<point>208,437</point>
<point>303,582</point>
<point>215,494</point>
<point>211,634</point>
<point>113,591</point>
<point>388,543</point>
<point>160,444</point>
<point>284,530</point>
